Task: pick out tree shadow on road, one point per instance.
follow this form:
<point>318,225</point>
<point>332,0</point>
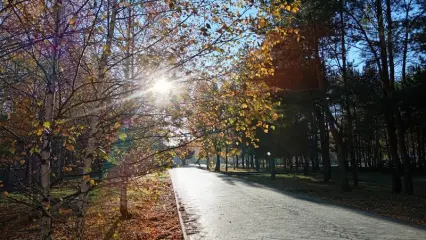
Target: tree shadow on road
<point>410,210</point>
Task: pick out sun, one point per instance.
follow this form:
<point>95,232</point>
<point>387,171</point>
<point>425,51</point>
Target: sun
<point>162,86</point>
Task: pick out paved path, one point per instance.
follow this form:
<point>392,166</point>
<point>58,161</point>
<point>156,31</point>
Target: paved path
<point>221,207</point>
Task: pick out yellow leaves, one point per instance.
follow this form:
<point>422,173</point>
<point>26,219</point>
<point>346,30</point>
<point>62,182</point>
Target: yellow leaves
<point>12,149</point>
<point>46,124</point>
<point>101,29</point>
<point>117,125</point>
<point>276,13</point>
<point>22,162</point>
<point>275,116</point>
<point>72,21</point>
<point>262,23</point>
<point>6,194</point>
<point>68,169</point>
<point>122,136</point>
<point>106,48</point>
<point>60,121</point>
<point>35,150</point>
<point>92,182</point>
<point>265,130</point>
<point>244,106</point>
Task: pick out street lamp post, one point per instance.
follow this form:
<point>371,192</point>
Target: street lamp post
<point>271,165</point>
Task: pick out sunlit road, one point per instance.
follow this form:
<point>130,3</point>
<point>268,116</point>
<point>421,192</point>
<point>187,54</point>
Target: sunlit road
<point>221,207</point>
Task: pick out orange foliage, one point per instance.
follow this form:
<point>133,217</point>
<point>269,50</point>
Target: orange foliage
<point>293,70</point>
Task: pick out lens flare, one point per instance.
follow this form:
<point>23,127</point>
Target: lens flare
<point>162,86</point>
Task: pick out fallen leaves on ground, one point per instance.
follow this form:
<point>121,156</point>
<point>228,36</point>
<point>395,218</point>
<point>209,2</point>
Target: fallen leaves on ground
<point>152,207</point>
<point>151,204</point>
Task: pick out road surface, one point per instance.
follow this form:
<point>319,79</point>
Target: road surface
<point>217,206</point>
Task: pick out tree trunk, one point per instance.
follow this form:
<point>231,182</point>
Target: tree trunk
<point>349,147</point>
<point>344,183</point>
<point>405,43</point>
<point>389,105</point>
<point>217,168</point>
<point>285,163</point>
<point>272,166</point>
<point>297,163</point>
<point>418,149</point>
<point>85,184</point>
<point>46,221</point>
<point>94,121</point>
<point>242,161</point>
<point>226,157</point>
<point>257,163</point>
<point>408,178</point>
<point>208,161</point>
<point>305,165</point>
<point>237,161</point>
<point>408,181</point>
<point>314,150</point>
<point>325,147</point>
<point>123,194</point>
<point>247,161</point>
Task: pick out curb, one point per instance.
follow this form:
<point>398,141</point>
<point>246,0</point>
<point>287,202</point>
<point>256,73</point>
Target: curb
<point>182,225</point>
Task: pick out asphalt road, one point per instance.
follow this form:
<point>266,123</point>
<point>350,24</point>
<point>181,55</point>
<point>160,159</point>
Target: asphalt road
<point>217,206</point>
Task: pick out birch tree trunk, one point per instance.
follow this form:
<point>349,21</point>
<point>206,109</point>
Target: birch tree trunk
<point>46,220</point>
<point>94,123</point>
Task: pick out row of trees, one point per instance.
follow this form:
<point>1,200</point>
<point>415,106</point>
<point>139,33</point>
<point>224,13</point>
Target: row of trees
<point>294,78</point>
<point>351,75</point>
<point>77,91</point>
